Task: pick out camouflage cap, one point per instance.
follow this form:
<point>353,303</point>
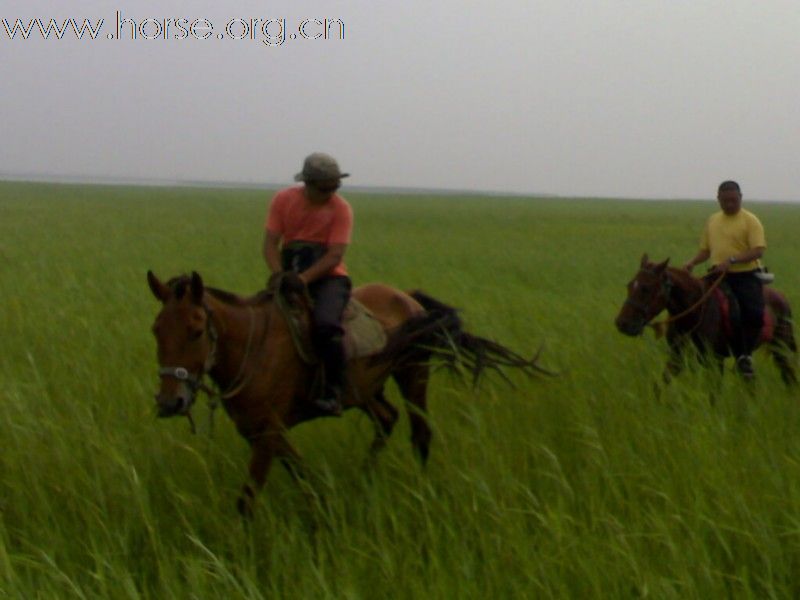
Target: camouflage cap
<point>319,167</point>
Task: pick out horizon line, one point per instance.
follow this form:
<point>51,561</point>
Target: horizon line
<point>407,190</point>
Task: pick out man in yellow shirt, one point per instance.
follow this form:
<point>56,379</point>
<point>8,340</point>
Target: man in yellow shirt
<point>734,241</point>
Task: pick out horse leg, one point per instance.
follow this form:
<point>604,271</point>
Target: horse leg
<point>784,349</point>
<point>676,343</point>
<point>786,367</point>
<point>673,367</point>
<point>384,416</point>
<point>718,363</point>
<point>264,447</point>
<point>413,383</point>
<point>292,461</point>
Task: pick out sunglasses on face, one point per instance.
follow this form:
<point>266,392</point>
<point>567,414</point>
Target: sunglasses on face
<point>327,188</point>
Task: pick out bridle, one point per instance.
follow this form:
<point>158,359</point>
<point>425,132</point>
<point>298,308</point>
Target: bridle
<point>664,293</point>
<point>194,381</point>
<point>666,289</point>
<point>659,327</point>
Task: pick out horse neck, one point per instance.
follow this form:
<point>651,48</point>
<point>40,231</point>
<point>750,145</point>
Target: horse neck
<point>686,291</point>
<point>240,331</point>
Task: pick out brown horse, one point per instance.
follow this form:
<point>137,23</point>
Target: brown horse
<point>697,316</point>
<point>249,350</point>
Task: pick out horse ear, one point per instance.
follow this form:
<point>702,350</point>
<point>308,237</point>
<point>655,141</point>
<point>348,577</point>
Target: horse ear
<point>660,267</point>
<point>645,260</point>
<point>160,291</point>
<point>197,288</point>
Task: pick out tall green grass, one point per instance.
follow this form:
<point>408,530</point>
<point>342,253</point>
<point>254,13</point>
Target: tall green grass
<point>582,486</point>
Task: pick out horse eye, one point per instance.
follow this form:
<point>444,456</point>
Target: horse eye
<point>195,334</point>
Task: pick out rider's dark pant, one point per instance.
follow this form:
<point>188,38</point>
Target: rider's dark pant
<point>749,292</point>
<point>330,295</point>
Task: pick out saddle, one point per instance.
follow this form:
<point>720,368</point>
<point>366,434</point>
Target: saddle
<point>731,314</point>
<point>363,333</point>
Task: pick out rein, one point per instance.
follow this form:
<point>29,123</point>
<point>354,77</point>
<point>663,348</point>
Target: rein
<point>659,327</point>
<point>293,322</point>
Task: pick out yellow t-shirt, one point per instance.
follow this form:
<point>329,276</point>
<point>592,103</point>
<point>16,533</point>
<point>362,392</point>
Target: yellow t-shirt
<point>727,235</point>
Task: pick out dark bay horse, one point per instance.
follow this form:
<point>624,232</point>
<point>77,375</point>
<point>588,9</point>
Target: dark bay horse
<point>246,347</point>
<point>697,317</point>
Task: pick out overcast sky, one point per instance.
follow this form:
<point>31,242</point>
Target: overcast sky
<point>637,98</point>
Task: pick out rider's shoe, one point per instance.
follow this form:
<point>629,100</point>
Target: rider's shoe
<point>329,403</point>
<point>744,366</point>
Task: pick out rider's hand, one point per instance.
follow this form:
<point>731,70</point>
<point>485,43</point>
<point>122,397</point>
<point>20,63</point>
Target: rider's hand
<point>289,282</point>
<point>721,268</point>
<point>292,283</point>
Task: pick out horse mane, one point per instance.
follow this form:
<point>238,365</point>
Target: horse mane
<point>180,284</point>
<point>683,279</point>
<point>256,299</point>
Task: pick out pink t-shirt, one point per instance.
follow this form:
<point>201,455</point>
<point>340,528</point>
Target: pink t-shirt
<point>294,218</point>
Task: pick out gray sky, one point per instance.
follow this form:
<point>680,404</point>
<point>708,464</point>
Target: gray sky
<point>638,98</point>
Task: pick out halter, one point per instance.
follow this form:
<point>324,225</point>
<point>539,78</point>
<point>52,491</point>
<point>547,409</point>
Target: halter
<point>195,381</point>
<point>666,289</point>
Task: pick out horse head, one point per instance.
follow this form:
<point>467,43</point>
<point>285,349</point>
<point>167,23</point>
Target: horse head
<point>186,339</point>
<point>648,294</point>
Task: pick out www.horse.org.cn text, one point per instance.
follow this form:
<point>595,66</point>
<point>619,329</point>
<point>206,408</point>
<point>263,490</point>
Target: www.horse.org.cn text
<point>271,32</point>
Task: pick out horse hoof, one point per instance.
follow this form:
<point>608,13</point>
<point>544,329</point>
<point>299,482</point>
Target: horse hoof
<point>245,508</point>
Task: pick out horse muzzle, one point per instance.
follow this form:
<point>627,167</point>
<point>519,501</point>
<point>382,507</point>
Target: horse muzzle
<point>630,327</point>
<point>171,406</point>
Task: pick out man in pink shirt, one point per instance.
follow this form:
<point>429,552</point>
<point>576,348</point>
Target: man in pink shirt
<point>308,229</point>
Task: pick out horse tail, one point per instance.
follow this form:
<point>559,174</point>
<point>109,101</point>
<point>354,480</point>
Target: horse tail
<point>786,330</point>
<point>439,334</point>
<point>784,325</point>
<point>782,345</point>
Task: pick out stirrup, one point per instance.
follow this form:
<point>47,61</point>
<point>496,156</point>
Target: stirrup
<point>744,365</point>
<point>328,406</point>
<point>329,403</point>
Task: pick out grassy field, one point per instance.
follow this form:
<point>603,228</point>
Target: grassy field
<point>583,486</point>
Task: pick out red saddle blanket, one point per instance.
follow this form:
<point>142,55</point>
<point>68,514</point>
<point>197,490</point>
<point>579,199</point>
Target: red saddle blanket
<point>767,330</point>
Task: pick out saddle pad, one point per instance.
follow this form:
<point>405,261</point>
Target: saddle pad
<point>767,330</point>
<point>363,333</point>
<point>725,309</point>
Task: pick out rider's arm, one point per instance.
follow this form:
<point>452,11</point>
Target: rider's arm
<point>323,266</point>
<point>339,237</point>
<point>701,256</point>
<point>271,251</point>
<point>748,255</point>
